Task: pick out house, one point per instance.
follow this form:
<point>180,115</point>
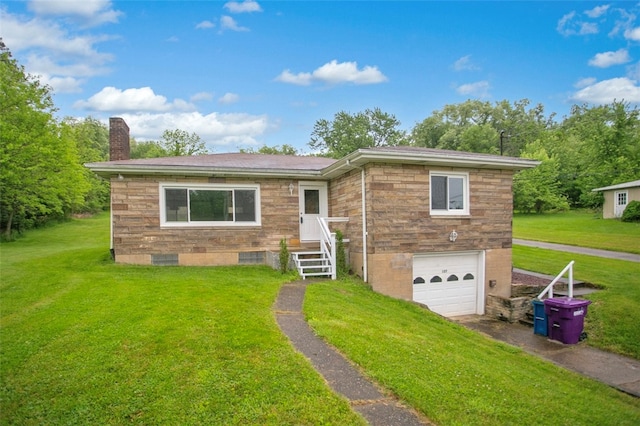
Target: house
<point>426,225</point>
<point>616,198</point>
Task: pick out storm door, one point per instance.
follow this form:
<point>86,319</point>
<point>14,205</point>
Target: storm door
<point>313,204</point>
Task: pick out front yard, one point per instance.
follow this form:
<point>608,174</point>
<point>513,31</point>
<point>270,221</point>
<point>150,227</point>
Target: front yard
<point>85,341</point>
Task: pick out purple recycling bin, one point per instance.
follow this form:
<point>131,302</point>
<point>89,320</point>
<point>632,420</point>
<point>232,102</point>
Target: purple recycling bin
<point>565,318</point>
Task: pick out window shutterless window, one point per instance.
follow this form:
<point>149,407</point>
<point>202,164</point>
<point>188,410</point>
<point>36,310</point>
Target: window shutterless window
<point>449,194</point>
<point>209,205</point>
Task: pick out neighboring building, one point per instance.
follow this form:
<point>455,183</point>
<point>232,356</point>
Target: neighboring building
<point>427,225</point>
<point>616,198</point>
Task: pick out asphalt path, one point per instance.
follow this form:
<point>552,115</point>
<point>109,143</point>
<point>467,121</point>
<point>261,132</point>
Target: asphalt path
<point>580,250</point>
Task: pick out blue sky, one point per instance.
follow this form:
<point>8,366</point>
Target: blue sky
<point>246,73</point>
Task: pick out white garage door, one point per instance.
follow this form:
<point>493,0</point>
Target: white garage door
<point>449,284</point>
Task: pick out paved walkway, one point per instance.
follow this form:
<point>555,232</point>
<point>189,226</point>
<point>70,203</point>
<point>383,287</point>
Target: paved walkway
<point>614,370</point>
<point>580,250</point>
<point>379,408</point>
<point>343,377</point>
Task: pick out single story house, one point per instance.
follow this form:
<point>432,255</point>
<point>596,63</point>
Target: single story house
<point>426,225</point>
<point>616,198</point>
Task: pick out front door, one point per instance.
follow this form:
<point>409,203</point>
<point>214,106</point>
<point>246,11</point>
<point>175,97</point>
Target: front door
<point>313,204</point>
<point>620,202</point>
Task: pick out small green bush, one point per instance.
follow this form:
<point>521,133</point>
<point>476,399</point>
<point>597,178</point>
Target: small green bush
<point>632,212</point>
<point>342,269</point>
<point>284,256</point>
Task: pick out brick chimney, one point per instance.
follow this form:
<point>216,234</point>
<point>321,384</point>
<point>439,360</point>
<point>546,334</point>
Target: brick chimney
<point>118,139</point>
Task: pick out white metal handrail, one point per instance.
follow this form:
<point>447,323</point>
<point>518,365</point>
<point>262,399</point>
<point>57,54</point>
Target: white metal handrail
<point>549,288</point>
<point>328,241</point>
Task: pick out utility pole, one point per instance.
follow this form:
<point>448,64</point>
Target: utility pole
<point>502,136</point>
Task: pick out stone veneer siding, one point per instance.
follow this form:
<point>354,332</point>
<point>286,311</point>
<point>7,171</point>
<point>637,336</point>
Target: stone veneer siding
<point>137,235</point>
<point>400,225</point>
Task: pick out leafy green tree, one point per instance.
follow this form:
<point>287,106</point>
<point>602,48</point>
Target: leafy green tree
<point>538,190</point>
<point>350,132</point>
<point>91,138</point>
<point>605,149</point>
<point>273,150</point>
<point>146,149</point>
<point>477,126</point>
<point>40,173</point>
<point>179,143</point>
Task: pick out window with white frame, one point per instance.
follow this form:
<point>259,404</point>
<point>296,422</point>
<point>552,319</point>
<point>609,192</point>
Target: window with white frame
<point>209,205</point>
<point>449,194</point>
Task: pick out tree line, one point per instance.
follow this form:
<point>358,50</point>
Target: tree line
<point>42,176</point>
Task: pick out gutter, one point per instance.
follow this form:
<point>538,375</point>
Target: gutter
<point>365,232</point>
<point>108,170</point>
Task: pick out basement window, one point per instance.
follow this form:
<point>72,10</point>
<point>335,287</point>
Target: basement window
<point>449,193</point>
<point>209,205</point>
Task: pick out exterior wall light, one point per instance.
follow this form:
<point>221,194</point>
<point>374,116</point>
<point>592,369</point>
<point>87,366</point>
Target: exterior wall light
<point>453,236</point>
<point>291,187</point>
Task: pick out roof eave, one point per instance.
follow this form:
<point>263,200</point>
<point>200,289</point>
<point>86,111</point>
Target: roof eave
<point>107,171</point>
<point>362,157</point>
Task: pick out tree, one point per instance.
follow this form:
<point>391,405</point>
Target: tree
<point>91,138</point>
<point>350,132</point>
<point>273,150</point>
<point>146,149</point>
<point>179,143</point>
<point>606,149</point>
<point>477,126</point>
<point>537,190</point>
<point>40,173</point>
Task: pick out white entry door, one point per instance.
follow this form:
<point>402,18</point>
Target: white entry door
<point>620,200</point>
<point>313,204</point>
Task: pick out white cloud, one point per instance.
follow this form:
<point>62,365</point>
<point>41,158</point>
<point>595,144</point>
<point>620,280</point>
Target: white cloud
<point>335,73</point>
<point>214,128</point>
<point>20,34</point>
<point>632,34</point>
<point>597,11</point>
<point>228,23</point>
<point>465,64</point>
<point>584,82</point>
<point>201,96</point>
<point>243,7</point>
<point>229,98</point>
<point>607,59</point>
<point>570,25</point>
<point>205,25</point>
<point>140,100</point>
<point>85,12</point>
<point>479,89</point>
<point>633,71</point>
<point>173,39</point>
<point>301,79</point>
<point>606,91</point>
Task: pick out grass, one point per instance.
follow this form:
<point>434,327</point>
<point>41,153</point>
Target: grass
<point>451,374</point>
<point>85,341</point>
<point>613,317</point>
<point>579,228</point>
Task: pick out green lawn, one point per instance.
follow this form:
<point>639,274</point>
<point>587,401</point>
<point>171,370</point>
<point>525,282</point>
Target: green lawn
<point>453,375</point>
<point>612,319</point>
<point>85,341</point>
<point>579,228</point>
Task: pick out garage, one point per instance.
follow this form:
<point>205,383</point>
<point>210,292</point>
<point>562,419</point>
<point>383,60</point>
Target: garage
<point>449,284</point>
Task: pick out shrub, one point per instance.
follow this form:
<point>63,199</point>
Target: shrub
<point>342,269</point>
<point>284,256</point>
<point>632,212</point>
